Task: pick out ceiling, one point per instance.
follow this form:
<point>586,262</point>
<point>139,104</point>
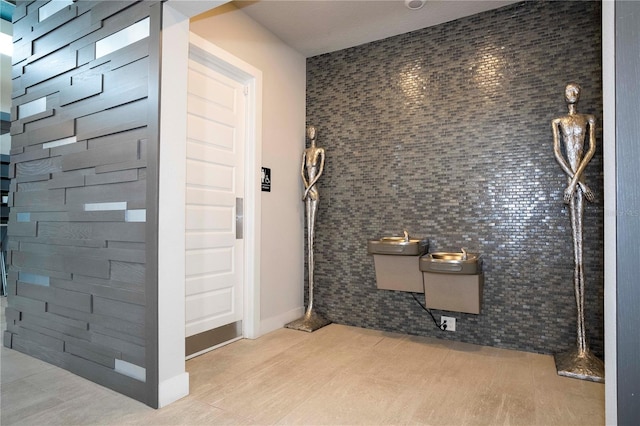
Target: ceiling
<point>315,27</point>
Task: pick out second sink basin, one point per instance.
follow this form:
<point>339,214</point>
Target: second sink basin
<point>451,263</point>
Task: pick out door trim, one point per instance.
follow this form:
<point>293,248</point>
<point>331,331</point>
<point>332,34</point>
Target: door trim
<point>223,62</point>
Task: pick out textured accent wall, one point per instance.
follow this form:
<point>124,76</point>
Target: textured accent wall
<point>4,192</point>
<point>446,132</point>
<point>83,225</point>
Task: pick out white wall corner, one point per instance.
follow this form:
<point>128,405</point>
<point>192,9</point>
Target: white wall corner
<point>173,389</point>
<point>172,377</point>
<point>609,156</point>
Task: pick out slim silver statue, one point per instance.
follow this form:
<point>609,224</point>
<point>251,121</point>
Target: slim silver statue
<point>573,129</point>
<point>311,170</point>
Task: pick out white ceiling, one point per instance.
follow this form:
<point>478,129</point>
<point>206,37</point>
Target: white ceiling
<point>315,27</point>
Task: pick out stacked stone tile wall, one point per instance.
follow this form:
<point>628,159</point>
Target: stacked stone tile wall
<point>82,229</point>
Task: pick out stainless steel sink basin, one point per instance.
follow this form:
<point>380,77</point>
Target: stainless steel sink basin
<point>452,263</point>
<point>404,246</point>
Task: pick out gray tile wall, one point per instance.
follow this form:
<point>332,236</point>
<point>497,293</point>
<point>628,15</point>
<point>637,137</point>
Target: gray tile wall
<point>82,196</point>
<point>446,131</point>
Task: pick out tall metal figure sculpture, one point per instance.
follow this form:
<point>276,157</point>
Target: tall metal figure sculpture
<point>311,170</point>
<point>573,129</point>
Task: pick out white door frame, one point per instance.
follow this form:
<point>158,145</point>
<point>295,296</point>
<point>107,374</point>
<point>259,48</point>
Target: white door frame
<point>228,65</point>
<point>173,380</point>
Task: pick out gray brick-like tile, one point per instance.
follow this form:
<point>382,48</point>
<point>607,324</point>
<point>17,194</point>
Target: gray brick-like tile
<point>445,131</point>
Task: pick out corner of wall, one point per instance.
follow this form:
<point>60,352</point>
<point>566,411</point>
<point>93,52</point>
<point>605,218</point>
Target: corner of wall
<point>173,389</point>
<point>609,148</point>
<point>173,380</point>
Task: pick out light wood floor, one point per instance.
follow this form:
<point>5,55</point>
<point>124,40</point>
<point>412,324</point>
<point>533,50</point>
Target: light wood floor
<point>338,375</point>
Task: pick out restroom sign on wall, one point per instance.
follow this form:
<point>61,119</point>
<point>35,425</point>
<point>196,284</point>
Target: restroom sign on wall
<point>266,179</point>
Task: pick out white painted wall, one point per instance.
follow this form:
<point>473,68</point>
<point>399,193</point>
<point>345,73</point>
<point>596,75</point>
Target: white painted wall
<point>173,380</point>
<point>283,116</point>
<point>609,151</point>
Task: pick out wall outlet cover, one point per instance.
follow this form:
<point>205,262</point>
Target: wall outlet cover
<point>450,321</point>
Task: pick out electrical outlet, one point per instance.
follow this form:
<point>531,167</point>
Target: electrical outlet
<point>449,321</point>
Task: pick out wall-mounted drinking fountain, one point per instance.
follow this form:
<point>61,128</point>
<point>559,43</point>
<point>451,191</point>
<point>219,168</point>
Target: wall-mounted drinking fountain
<point>453,281</point>
<point>452,263</point>
<point>396,261</point>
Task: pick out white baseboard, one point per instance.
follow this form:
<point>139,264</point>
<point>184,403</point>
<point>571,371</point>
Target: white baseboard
<point>173,389</point>
<point>274,323</point>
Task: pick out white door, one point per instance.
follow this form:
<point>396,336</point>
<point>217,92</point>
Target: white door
<point>215,181</point>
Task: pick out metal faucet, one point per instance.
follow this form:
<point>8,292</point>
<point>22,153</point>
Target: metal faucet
<point>406,236</point>
<point>464,253</point>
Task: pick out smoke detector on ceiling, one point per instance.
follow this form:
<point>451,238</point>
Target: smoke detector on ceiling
<point>414,4</point>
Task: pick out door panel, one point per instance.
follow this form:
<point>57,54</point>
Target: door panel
<point>215,169</point>
<point>208,218</point>
<point>210,175</point>
<point>218,134</point>
<point>217,261</point>
<point>204,310</point>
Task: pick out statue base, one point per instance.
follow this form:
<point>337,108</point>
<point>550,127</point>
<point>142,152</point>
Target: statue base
<point>309,322</point>
<point>584,366</point>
